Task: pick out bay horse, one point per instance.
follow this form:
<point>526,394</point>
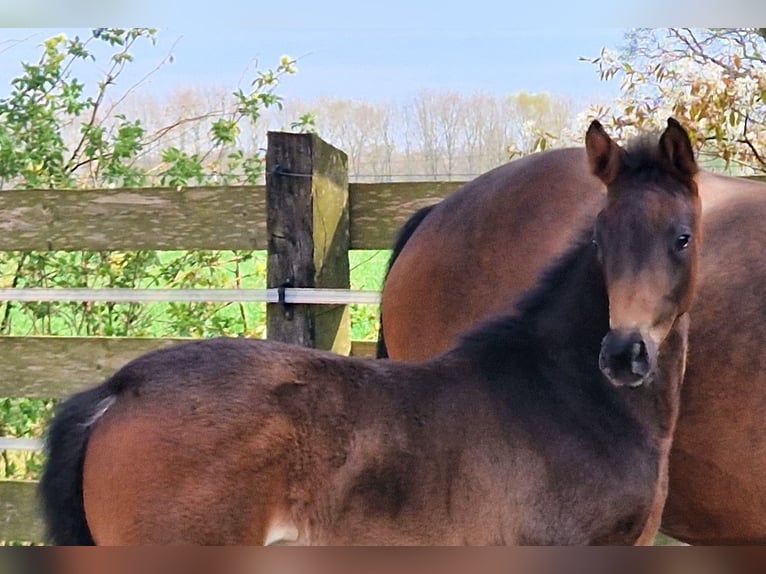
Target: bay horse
<point>457,263</point>
<point>548,426</point>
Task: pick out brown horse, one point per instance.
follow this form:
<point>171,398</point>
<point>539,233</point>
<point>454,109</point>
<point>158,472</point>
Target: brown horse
<point>551,426</point>
<point>463,260</point>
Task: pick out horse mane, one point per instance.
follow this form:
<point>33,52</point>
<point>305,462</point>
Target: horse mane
<point>518,328</point>
<point>556,274</point>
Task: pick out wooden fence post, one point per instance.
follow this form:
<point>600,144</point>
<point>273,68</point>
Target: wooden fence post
<point>308,237</point>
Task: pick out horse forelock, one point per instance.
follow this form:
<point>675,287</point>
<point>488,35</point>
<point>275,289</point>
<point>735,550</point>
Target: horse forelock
<point>644,163</point>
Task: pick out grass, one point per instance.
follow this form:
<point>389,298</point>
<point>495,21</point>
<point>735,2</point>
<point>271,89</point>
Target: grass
<point>368,269</point>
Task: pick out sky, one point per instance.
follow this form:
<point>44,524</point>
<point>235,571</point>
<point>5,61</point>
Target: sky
<point>371,50</point>
<point>373,64</point>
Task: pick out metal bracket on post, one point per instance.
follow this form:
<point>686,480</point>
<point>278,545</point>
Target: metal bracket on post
<point>287,308</point>
<point>277,170</point>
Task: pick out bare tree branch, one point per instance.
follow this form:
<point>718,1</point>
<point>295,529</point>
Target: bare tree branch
<point>110,76</point>
<point>745,140</point>
<point>11,44</point>
<point>148,75</point>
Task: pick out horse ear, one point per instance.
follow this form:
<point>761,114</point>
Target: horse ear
<point>676,149</point>
<point>604,156</point>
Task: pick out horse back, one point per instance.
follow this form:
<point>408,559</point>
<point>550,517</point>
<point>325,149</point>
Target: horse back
<point>250,442</point>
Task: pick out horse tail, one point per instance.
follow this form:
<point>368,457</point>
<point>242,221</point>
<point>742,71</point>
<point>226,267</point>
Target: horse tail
<point>401,240</point>
<point>61,488</point>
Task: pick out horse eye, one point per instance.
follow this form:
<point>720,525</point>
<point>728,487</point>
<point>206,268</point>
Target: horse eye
<point>682,241</point>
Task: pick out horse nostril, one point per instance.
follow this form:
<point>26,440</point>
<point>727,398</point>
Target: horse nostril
<point>624,357</point>
<point>639,364</point>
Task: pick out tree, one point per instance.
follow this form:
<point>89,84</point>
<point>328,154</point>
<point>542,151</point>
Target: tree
<point>57,131</point>
<point>540,120</point>
<point>436,135</point>
<point>712,80</point>
<point>360,129</point>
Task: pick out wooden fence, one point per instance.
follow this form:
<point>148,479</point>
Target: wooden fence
<point>307,217</point>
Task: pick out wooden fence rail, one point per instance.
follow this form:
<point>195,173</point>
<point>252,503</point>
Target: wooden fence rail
<point>193,218</point>
<point>307,217</point>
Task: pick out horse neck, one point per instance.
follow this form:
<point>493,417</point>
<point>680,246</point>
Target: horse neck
<point>572,324</point>
<point>658,404</point>
<point>557,335</point>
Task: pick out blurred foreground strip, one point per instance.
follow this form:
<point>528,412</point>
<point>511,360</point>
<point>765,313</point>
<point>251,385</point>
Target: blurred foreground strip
<point>382,560</point>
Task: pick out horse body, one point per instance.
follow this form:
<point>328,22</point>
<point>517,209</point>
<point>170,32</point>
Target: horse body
<point>248,442</point>
<point>551,426</point>
<point>531,207</point>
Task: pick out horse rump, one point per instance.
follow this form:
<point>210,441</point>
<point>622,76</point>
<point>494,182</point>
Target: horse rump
<point>402,237</point>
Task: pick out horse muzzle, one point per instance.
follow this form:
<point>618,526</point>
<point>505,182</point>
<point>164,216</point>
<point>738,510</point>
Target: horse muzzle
<point>627,358</point>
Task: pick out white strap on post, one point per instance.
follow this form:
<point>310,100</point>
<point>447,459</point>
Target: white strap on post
<point>293,295</point>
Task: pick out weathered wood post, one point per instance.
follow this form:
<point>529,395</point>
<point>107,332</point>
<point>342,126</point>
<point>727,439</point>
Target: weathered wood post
<point>308,238</point>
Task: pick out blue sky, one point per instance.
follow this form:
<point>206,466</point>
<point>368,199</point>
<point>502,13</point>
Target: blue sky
<point>369,63</point>
<point>382,50</point>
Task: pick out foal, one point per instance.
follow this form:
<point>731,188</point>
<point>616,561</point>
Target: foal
<point>548,427</point>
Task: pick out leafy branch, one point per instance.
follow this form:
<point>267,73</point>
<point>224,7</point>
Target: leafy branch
<point>713,80</point>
